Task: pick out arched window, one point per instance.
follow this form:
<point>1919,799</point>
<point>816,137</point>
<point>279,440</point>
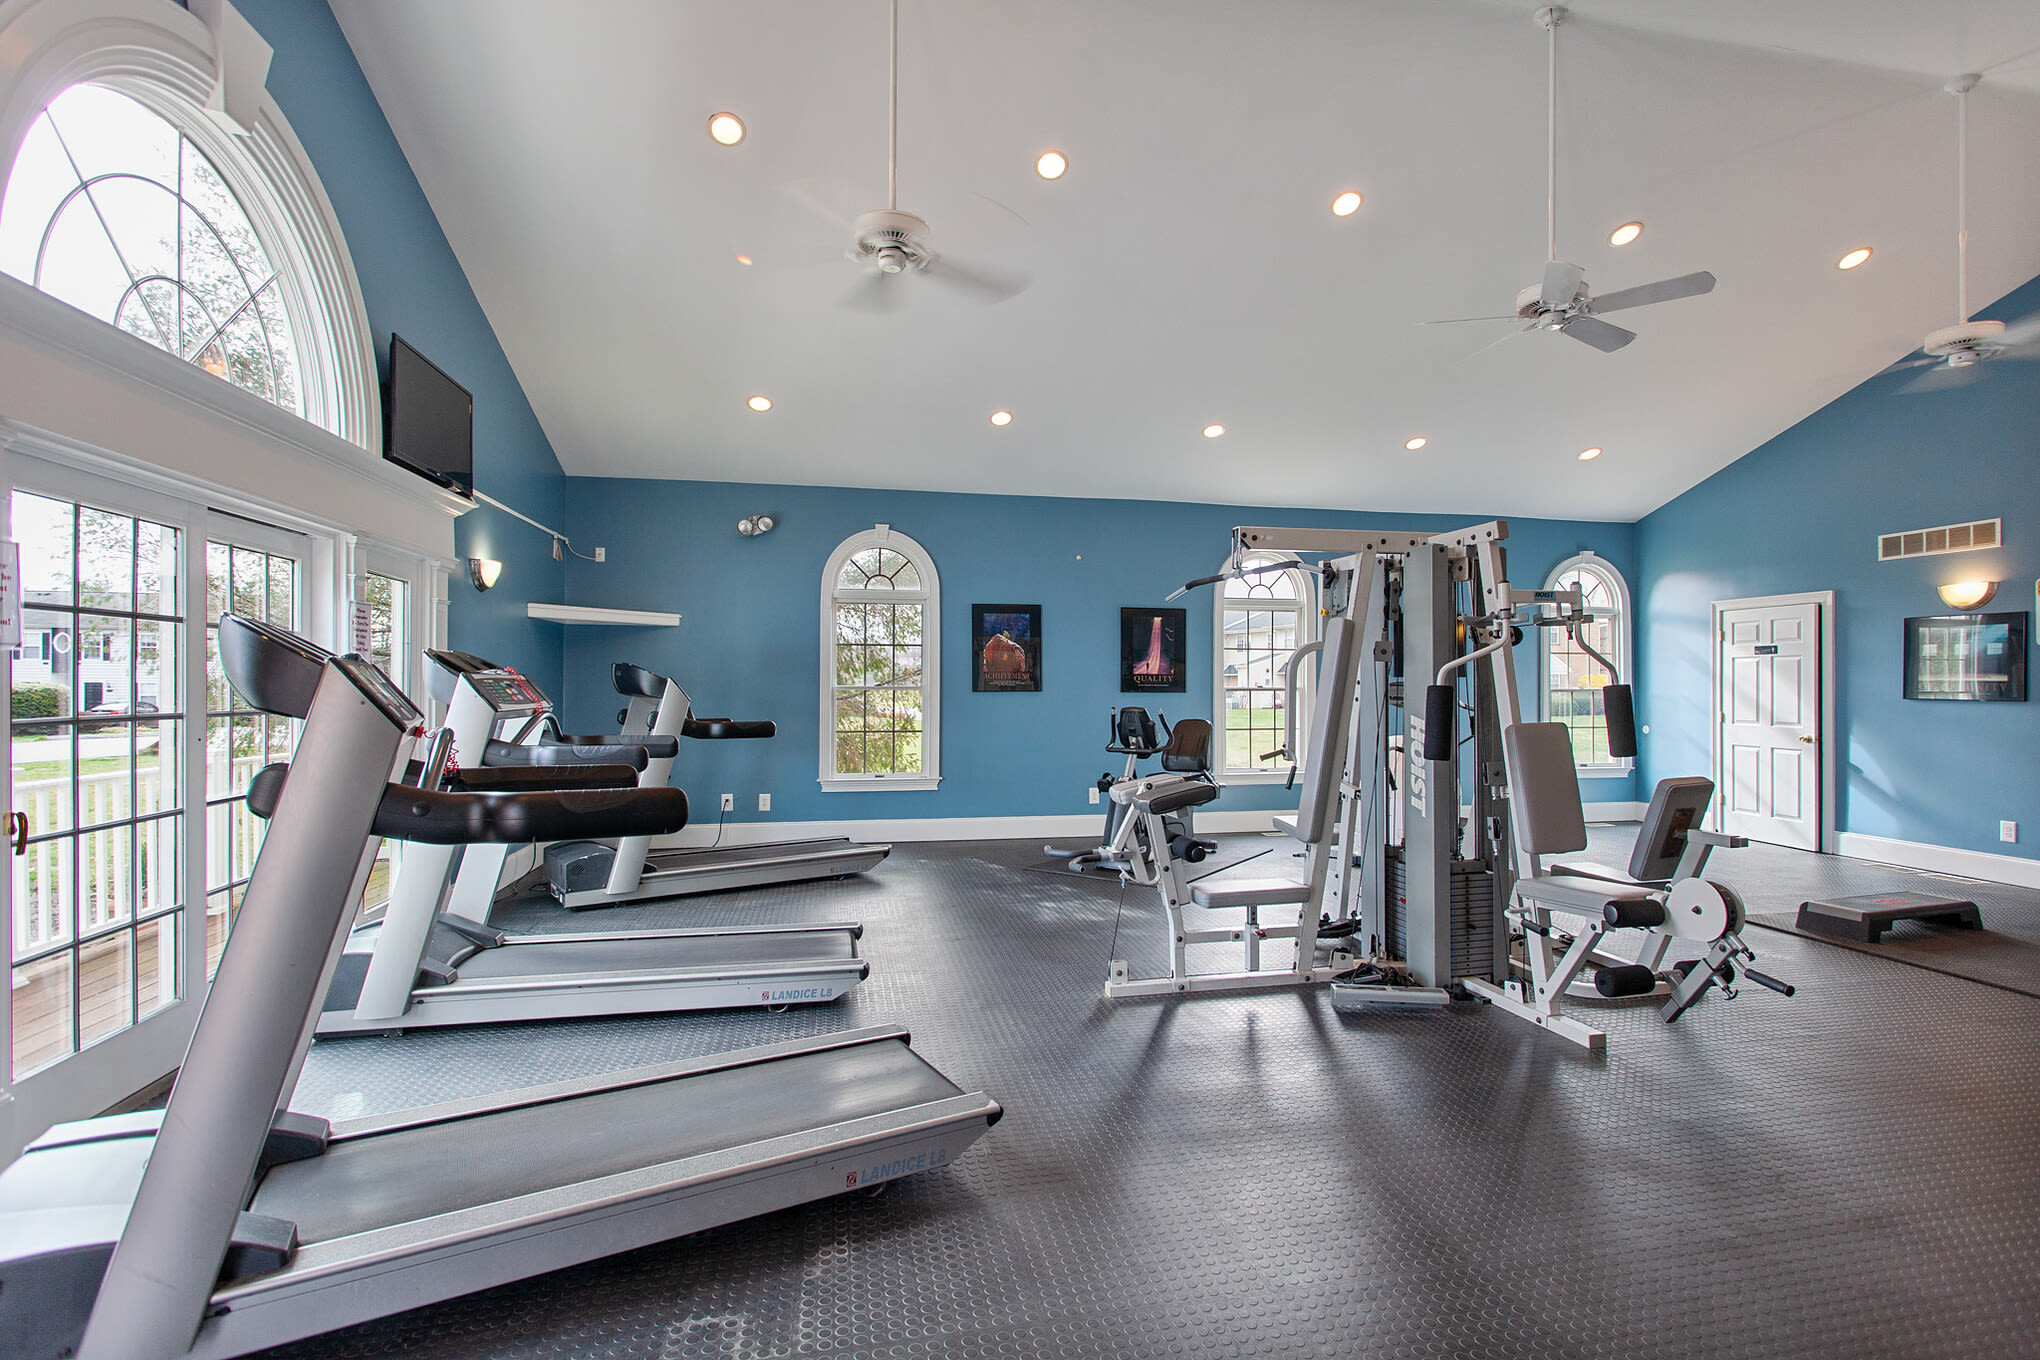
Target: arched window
<point>1261,618</point>
<point>1571,679</point>
<point>881,665</point>
<point>134,198</point>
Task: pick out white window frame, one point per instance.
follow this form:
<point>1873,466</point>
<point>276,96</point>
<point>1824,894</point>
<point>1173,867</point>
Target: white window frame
<point>1624,650</point>
<point>161,56</point>
<point>930,596</point>
<point>1306,632</point>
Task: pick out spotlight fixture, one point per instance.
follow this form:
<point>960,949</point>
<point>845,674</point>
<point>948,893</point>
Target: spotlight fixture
<point>1051,165</point>
<point>1213,431</point>
<point>1968,594</point>
<point>1002,417</point>
<point>1589,455</point>
<point>483,572</point>
<point>760,404</point>
<point>1415,442</point>
<point>750,526</point>
<point>1625,233</point>
<point>726,128</point>
<point>1346,204</point>
<point>1853,258</point>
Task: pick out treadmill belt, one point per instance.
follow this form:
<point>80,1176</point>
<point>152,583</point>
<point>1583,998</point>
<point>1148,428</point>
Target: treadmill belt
<point>735,856</point>
<point>574,958</point>
<point>386,1179</point>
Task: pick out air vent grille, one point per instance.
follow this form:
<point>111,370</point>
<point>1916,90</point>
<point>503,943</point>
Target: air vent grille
<point>1946,538</point>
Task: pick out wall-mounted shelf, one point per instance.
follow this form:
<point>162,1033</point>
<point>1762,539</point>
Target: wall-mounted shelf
<point>581,613</point>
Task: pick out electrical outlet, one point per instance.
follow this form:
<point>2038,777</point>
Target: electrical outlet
<point>729,802</point>
<point>2008,832</point>
<point>764,802</point>
<point>1094,793</point>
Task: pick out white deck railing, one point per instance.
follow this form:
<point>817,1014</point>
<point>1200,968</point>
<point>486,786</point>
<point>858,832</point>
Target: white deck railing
<point>112,887</point>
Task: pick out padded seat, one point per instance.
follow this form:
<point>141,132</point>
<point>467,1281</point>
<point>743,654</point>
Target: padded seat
<point>1261,892</point>
<point>1586,896</point>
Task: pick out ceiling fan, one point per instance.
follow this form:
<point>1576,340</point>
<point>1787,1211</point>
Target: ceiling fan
<point>1950,355</point>
<point>892,245</point>
<point>1560,301</point>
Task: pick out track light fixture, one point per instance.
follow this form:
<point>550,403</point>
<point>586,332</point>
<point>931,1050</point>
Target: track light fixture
<point>750,526</point>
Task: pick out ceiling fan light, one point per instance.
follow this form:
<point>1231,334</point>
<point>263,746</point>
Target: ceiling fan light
<point>1346,204</point>
<point>1625,233</point>
<point>1589,455</point>
<point>1854,257</point>
<point>726,128</point>
<point>1051,164</point>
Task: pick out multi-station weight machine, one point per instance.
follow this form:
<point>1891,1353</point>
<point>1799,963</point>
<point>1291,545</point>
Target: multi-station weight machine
<point>1463,900</point>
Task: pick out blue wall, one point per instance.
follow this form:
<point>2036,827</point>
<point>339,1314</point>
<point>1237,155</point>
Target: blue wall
<point>413,285</point>
<point>749,642</point>
<point>1803,512</point>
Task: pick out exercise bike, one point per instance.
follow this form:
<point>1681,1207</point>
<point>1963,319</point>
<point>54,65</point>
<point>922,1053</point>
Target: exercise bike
<point>1185,749</point>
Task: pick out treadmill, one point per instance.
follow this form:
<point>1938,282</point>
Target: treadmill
<point>220,1226</point>
<point>583,874</point>
<point>422,965</point>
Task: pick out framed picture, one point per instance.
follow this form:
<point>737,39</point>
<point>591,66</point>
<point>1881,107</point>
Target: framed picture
<point>1152,645</point>
<point>1966,656</point>
<point>1005,648</point>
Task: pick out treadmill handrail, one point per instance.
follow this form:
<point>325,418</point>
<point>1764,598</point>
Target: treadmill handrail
<point>432,817</point>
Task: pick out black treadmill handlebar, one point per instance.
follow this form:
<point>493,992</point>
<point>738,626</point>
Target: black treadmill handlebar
<point>656,747</point>
<point>725,729</point>
<point>611,751</point>
<point>429,817</point>
<point>537,778</point>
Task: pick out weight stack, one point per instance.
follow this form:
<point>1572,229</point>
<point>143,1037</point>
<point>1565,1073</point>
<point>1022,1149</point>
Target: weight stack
<point>1473,936</point>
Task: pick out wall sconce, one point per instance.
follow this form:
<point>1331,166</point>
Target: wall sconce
<point>750,526</point>
<point>484,572</point>
<point>1968,594</point>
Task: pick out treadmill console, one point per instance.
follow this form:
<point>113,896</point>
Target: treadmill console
<point>508,694</point>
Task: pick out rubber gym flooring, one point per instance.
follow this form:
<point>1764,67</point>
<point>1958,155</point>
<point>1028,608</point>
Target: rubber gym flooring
<point>1850,1172</point>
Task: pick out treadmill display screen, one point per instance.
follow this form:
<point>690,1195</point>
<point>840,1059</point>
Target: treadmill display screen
<point>507,692</point>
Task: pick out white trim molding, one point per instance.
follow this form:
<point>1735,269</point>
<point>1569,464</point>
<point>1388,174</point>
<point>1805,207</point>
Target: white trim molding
<point>1941,859</point>
<point>162,56</point>
<point>1625,650</point>
<point>929,776</point>
<point>1074,827</point>
<point>1304,606</point>
<point>1830,731</point>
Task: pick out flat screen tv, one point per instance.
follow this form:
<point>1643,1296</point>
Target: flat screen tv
<point>428,420</point>
<point>1966,656</point>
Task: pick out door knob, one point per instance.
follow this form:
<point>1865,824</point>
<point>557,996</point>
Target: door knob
<point>17,831</point>
<point>1807,740</point>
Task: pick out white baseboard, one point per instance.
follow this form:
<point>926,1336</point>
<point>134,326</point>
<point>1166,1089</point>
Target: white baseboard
<point>1615,812</point>
<point>1076,828</point>
<point>1941,859</point>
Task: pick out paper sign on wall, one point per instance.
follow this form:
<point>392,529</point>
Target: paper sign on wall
<point>360,627</point>
<point>10,594</point>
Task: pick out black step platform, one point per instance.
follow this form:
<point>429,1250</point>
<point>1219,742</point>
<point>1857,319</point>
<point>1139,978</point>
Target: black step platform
<point>1867,917</point>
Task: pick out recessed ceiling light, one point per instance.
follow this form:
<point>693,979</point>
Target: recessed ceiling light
<point>760,403</point>
<point>1002,417</point>
<point>726,128</point>
<point>1589,455</point>
<point>1853,258</point>
<point>1051,165</point>
<point>1213,431</point>
<point>743,259</point>
<point>1625,233</point>
<point>1415,442</point>
<point>1346,204</point>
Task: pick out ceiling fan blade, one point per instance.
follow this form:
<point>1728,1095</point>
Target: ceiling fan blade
<point>1944,378</point>
<point>1460,320</point>
<point>1664,290</point>
<point>987,283</point>
<point>1602,335</point>
<point>877,291</point>
<point>1917,360</point>
<point>1506,336</point>
<point>2022,332</point>
<point>1561,283</point>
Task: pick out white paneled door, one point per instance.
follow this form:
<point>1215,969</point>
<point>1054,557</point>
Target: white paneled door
<point>1769,669</point>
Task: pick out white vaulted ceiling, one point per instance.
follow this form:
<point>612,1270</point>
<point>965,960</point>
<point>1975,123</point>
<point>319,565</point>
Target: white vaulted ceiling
<point>1187,270</point>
